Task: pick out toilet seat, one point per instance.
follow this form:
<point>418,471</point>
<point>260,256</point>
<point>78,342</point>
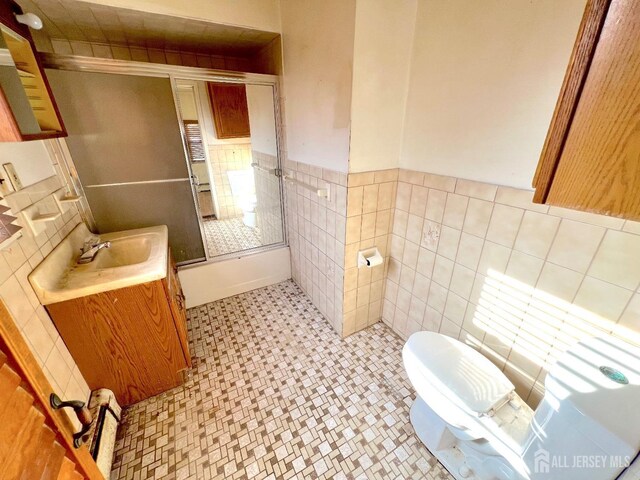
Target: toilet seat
<point>457,372</point>
<point>461,392</point>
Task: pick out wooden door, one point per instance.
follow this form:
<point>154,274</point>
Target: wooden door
<point>591,158</point>
<point>230,111</point>
<point>35,441</point>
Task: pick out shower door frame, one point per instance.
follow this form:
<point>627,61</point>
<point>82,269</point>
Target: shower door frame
<point>174,73</point>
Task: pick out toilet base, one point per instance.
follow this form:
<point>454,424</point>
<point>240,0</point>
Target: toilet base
<point>459,457</point>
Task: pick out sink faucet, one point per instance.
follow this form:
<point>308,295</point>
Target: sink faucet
<point>90,251</point>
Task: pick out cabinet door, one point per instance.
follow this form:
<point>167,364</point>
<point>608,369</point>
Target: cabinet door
<point>124,340</point>
<point>230,112</point>
<point>176,301</point>
<point>596,163</point>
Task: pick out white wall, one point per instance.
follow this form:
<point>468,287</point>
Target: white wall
<point>258,14</point>
<point>318,58</point>
<point>484,81</point>
<point>187,100</point>
<point>262,119</point>
<point>381,62</point>
<point>30,159</point>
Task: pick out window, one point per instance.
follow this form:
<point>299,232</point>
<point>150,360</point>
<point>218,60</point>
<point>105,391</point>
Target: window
<point>195,145</point>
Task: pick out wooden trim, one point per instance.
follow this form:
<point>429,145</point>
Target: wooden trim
<point>31,371</point>
<point>44,135</point>
<point>588,34</point>
<point>173,290</point>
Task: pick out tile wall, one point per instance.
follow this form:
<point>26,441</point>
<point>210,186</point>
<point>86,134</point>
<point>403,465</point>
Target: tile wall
<point>370,202</point>
<point>223,158</point>
<point>316,229</point>
<point>142,54</point>
<point>518,281</point>
<point>16,262</point>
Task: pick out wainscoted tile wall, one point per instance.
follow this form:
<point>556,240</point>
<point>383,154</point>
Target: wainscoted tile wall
<point>269,206</point>
<point>224,158</point>
<point>370,202</point>
<point>16,262</point>
<point>316,229</point>
<point>516,280</point>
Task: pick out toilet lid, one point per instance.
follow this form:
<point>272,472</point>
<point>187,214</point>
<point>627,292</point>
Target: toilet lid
<point>457,371</point>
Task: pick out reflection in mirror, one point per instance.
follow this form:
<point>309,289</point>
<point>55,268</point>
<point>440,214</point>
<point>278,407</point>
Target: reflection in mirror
<point>230,134</point>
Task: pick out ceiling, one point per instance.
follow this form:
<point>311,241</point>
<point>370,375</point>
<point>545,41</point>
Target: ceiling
<point>80,21</point>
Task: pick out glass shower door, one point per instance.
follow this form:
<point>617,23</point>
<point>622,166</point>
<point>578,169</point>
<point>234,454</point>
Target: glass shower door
<point>231,133</point>
<point>126,143</point>
<point>264,160</point>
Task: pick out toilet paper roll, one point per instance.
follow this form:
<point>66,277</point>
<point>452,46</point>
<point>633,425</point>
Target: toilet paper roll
<point>374,260</point>
<point>369,258</point>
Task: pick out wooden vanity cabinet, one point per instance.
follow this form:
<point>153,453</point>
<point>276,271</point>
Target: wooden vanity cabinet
<point>132,340</point>
<point>591,157</point>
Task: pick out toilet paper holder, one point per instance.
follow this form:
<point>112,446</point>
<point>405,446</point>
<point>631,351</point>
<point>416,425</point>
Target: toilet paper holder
<point>369,258</point>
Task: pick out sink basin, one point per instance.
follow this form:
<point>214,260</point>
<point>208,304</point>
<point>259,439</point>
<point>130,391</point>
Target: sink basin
<point>123,252</point>
<point>135,256</point>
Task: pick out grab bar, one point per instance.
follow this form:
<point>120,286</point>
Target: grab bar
<point>321,192</point>
<point>272,171</point>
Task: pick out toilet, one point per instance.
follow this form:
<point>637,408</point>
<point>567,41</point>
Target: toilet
<point>469,416</point>
<point>243,189</point>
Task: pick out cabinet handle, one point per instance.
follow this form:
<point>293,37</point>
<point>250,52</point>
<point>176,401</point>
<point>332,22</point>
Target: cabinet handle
<point>81,411</point>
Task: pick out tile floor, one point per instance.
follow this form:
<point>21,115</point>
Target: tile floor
<point>230,235</point>
<point>276,394</point>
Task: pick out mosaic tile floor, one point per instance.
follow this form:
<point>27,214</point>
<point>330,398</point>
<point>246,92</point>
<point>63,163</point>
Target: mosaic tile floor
<point>276,394</point>
<point>228,236</point>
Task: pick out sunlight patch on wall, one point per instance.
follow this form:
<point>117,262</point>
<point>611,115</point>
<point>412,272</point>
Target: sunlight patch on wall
<point>527,329</point>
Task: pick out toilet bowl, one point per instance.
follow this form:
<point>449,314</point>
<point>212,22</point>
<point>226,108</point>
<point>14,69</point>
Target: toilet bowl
<point>244,193</point>
<point>468,414</point>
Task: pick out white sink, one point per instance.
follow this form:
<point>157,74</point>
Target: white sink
<point>123,252</point>
<point>135,256</point>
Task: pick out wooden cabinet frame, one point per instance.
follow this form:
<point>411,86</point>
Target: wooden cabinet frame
<point>583,50</point>
<point>9,129</point>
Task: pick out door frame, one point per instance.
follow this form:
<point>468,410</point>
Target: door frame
<point>173,73</point>
<point>181,85</point>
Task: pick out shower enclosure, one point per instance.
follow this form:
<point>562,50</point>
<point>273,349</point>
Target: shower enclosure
<point>237,171</point>
<point>150,146</point>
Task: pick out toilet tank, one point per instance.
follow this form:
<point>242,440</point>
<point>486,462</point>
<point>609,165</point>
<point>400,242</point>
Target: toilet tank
<point>588,423</point>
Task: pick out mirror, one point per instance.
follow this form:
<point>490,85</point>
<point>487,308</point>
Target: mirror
<point>230,135</point>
